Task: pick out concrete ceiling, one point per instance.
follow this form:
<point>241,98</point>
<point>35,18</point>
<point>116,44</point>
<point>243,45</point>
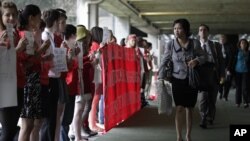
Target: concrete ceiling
<point>157,16</point>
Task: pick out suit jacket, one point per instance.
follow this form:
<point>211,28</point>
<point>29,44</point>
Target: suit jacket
<point>228,61</point>
<point>180,56</point>
<point>219,62</point>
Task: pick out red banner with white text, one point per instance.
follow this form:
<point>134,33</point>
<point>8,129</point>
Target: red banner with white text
<point>121,83</point>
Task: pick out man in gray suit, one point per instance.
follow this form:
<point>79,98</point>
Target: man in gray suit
<point>211,72</point>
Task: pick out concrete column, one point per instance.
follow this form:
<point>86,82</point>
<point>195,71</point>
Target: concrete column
<point>82,13</point>
<point>121,27</point>
<point>107,21</point>
<point>87,13</point>
<point>93,15</point>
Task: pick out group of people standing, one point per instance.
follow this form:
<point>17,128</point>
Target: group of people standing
<point>47,94</point>
<point>56,97</point>
<point>50,99</point>
<point>217,65</point>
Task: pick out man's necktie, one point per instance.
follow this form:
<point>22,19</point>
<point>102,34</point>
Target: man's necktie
<point>205,48</point>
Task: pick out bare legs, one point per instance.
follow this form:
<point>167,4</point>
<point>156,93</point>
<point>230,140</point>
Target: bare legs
<point>79,108</point>
<point>34,136</point>
<point>189,120</point>
<point>26,128</point>
<point>92,114</point>
<point>179,122</point>
<point>59,116</point>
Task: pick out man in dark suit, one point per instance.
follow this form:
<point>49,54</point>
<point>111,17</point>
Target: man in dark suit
<point>227,52</point>
<point>211,72</point>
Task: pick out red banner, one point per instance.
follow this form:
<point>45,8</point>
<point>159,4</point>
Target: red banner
<point>121,81</point>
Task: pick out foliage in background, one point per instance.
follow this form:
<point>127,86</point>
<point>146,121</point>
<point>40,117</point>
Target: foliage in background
<point>67,5</point>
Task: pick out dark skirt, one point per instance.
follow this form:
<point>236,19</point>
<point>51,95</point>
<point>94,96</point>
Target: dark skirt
<point>32,106</point>
<point>183,94</point>
<point>45,100</point>
<point>63,91</point>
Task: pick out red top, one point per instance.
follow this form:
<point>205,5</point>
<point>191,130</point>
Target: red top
<point>88,76</point>
<point>72,77</point>
<point>19,66</point>
<point>94,47</point>
<point>44,78</point>
<point>30,59</point>
<point>58,40</point>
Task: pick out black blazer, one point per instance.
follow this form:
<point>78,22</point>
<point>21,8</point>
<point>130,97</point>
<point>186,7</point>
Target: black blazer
<point>216,50</point>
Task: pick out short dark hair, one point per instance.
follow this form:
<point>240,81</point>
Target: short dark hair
<point>62,13</point>
<point>122,42</point>
<point>185,25</point>
<point>149,45</point>
<point>42,25</point>
<point>206,26</point>
<point>69,30</point>
<point>139,41</point>
<point>238,45</point>
<point>96,33</point>
<point>50,16</point>
<point>29,10</point>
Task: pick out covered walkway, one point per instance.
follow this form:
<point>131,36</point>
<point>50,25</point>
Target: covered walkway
<point>147,125</point>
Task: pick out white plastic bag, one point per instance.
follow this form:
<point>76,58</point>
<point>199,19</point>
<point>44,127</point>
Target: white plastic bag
<point>164,97</point>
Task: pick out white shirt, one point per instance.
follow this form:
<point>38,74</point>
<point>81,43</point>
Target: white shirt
<point>47,34</point>
<point>208,51</point>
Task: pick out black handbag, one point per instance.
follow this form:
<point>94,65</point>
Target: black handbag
<point>169,70</point>
<point>193,78</point>
<point>197,78</point>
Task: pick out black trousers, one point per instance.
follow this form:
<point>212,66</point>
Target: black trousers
<point>49,125</point>
<point>67,119</point>
<point>225,88</point>
<point>9,117</point>
<point>241,88</point>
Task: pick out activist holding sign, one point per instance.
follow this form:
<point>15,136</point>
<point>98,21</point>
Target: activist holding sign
<point>121,81</point>
<point>85,86</point>
<point>97,37</point>
<point>11,88</point>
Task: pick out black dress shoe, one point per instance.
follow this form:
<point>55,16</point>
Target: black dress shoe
<point>210,122</point>
<point>225,98</point>
<point>89,132</point>
<point>220,96</point>
<point>203,124</point>
<point>246,105</point>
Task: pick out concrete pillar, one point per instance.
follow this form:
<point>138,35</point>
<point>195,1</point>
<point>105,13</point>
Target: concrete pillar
<point>82,13</point>
<point>93,15</point>
<point>107,21</point>
<point>121,27</point>
<point>87,13</point>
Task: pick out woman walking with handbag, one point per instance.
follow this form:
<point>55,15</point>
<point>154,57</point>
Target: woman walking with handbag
<point>184,55</point>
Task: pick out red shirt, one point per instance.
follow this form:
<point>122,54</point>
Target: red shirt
<point>45,67</point>
<point>21,80</point>
<point>94,47</point>
<point>72,77</point>
<point>30,59</point>
<point>88,76</point>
